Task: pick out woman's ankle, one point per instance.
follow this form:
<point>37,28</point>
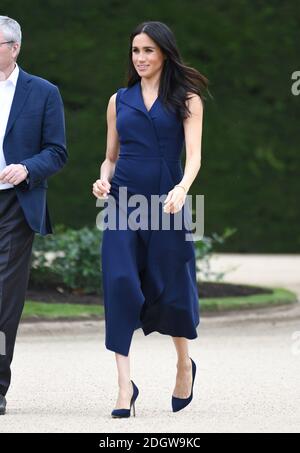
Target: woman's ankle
<point>184,364</point>
<point>124,384</point>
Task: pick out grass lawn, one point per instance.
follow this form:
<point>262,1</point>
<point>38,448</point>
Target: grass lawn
<point>279,296</point>
<point>52,311</point>
<point>55,311</point>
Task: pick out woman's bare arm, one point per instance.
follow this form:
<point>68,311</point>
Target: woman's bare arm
<point>193,137</point>
<point>102,186</point>
<point>112,142</point>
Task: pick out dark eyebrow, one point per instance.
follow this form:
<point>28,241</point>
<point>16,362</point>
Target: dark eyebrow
<point>146,47</point>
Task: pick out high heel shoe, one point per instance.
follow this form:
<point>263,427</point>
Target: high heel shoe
<point>125,413</point>
<point>181,403</point>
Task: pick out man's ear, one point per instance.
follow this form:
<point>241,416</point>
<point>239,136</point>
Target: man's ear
<point>16,50</point>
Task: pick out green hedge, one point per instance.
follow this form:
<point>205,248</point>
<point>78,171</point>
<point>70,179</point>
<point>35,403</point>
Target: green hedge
<point>248,49</point>
<point>70,260</point>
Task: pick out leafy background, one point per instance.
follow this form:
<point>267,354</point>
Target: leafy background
<point>247,49</point>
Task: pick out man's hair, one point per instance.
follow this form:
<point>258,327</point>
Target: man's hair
<point>10,29</point>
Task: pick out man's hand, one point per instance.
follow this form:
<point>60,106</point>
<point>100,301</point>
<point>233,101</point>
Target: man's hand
<point>13,174</point>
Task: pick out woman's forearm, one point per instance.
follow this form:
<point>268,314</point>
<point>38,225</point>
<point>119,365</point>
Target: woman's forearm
<point>192,167</point>
<point>107,169</point>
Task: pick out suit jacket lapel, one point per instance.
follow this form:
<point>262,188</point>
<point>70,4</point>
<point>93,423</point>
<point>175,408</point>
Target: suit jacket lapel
<point>22,90</point>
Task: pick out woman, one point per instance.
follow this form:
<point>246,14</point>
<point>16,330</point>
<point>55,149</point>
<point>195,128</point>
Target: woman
<point>149,277</point>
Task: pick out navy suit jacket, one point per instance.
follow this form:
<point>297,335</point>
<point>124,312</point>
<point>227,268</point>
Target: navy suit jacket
<point>35,137</point>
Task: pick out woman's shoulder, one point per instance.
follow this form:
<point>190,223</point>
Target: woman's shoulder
<point>114,99</point>
<point>192,97</point>
<point>194,101</point>
<point>116,96</point>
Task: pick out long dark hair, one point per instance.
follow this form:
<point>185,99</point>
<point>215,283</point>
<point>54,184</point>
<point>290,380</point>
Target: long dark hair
<point>177,79</point>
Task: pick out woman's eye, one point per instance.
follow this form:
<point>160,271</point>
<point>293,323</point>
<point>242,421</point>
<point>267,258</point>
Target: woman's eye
<point>136,50</point>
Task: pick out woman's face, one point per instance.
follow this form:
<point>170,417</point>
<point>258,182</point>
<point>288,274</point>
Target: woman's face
<point>147,57</point>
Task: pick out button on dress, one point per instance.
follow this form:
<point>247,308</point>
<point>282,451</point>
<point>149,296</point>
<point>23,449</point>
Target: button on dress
<point>148,275</point>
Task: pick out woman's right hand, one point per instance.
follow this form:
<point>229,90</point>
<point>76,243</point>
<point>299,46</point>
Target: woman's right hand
<point>101,188</point>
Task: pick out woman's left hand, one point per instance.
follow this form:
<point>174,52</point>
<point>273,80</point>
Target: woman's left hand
<point>175,200</point>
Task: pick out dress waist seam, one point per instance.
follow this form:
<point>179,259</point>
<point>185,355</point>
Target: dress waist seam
<point>148,158</point>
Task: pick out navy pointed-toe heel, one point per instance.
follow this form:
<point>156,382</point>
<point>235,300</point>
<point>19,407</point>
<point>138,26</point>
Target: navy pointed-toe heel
<point>125,413</point>
<point>181,403</point>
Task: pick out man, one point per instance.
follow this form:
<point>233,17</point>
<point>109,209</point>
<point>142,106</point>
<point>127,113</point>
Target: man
<point>32,148</point>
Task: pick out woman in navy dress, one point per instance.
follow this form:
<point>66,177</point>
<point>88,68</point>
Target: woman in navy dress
<point>149,275</point>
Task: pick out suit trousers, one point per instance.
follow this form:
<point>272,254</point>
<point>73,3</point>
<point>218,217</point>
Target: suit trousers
<point>16,239</point>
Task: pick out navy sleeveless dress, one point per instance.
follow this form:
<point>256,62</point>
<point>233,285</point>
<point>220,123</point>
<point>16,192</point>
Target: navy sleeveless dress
<point>148,275</point>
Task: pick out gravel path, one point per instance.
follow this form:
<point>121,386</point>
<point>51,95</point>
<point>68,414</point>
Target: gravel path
<point>247,381</point>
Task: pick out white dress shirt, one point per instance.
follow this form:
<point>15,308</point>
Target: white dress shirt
<point>7,92</point>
